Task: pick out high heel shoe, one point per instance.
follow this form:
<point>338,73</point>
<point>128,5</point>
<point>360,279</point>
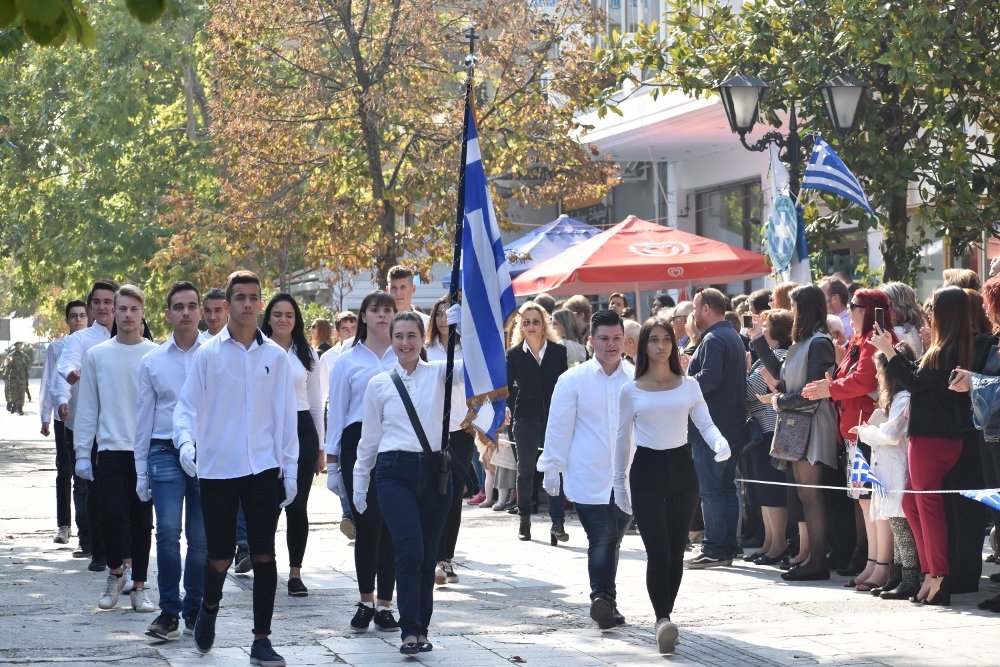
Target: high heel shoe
<point>764,559</point>
<point>557,534</point>
<point>524,532</point>
<point>943,596</point>
<point>868,586</point>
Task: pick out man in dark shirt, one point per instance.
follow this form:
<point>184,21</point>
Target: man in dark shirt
<point>719,366</point>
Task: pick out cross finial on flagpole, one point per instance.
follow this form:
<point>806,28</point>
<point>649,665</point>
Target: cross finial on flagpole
<point>470,60</point>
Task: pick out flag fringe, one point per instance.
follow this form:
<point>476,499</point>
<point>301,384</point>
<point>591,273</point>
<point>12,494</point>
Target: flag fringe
<point>476,402</point>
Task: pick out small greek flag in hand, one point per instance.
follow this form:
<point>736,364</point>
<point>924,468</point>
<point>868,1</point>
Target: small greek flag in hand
<point>861,472</point>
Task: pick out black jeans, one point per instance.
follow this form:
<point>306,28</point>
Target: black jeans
<point>529,438</point>
<point>296,514</point>
<point>260,495</point>
<point>68,485</point>
<point>664,487</point>
<point>966,517</point>
<point>462,444</point>
<point>92,491</point>
<point>127,521</point>
<point>374,558</point>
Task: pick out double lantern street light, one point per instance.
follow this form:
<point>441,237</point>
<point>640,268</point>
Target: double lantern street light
<point>741,97</point>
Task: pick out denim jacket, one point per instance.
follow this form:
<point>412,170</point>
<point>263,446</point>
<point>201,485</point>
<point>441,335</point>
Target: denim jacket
<point>985,393</point>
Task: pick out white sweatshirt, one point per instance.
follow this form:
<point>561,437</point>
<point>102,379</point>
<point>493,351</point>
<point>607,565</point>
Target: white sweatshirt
<point>109,394</point>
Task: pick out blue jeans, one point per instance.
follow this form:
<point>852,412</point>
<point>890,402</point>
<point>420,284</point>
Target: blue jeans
<point>720,502</point>
<point>605,526</point>
<point>171,489</point>
<point>415,514</point>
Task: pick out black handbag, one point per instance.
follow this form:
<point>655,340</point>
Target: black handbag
<point>443,457</point>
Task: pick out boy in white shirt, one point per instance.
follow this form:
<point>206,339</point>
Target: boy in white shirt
<point>106,410</point>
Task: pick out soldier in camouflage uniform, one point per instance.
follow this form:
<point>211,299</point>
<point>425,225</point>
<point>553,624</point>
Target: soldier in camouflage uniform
<point>16,378</point>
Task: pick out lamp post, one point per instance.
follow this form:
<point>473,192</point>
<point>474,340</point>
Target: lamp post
<point>741,96</point>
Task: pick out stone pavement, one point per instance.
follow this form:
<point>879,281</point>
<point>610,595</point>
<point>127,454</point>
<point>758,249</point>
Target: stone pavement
<point>516,603</point>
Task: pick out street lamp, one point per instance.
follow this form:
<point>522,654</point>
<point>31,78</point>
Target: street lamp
<point>741,97</point>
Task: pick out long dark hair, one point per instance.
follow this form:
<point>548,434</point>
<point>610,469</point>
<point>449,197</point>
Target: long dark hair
<point>951,331</point>
<point>376,298</point>
<point>433,333</point>
<point>889,386</point>
<point>300,345</point>
<point>642,359</point>
<point>810,312</point>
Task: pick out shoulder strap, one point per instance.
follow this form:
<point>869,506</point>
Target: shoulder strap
<point>410,411</point>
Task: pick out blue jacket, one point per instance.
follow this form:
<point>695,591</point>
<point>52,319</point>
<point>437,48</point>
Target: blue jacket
<point>985,393</point>
<point>720,367</point>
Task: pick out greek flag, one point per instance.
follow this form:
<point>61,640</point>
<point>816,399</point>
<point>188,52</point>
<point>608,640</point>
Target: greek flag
<point>487,296</point>
<point>861,472</point>
<point>827,172</point>
<point>989,497</point>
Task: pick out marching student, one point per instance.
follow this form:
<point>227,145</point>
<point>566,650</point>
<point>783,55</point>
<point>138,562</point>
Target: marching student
<point>158,470</point>
<point>401,287</point>
<point>66,483</point>
<point>580,446</point>
<point>65,390</point>
<point>236,426</point>
<point>370,354</point>
<point>214,312</point>
<point>109,391</point>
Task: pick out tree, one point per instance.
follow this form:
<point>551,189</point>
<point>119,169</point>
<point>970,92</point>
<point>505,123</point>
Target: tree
<point>337,124</point>
<point>931,122</point>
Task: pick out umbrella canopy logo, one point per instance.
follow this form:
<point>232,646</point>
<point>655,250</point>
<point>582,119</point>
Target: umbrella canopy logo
<point>675,271</point>
<point>660,249</point>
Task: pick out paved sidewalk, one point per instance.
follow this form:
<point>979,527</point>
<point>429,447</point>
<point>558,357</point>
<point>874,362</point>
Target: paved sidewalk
<point>516,603</point>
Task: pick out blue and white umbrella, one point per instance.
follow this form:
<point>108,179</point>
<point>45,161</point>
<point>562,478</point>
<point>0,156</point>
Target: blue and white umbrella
<point>547,241</point>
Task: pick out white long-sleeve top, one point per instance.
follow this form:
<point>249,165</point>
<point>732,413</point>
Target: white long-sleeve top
<point>887,438</point>
<point>237,406</point>
<point>582,430</point>
<point>71,359</point>
<point>323,372</point>
<point>161,376</point>
<point>46,406</point>
<point>109,393</point>
<point>349,378</point>
<point>386,426</point>
<point>459,409</point>
<point>658,420</point>
<point>308,393</point>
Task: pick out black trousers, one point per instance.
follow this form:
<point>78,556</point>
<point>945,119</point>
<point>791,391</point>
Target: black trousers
<point>664,487</point>
<point>462,444</point>
<point>296,514</point>
<point>374,557</point>
<point>966,517</point>
<point>989,452</point>
<point>69,487</point>
<point>127,521</point>
<point>93,490</point>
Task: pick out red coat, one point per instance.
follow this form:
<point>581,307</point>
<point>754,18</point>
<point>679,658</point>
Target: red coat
<point>854,380</point>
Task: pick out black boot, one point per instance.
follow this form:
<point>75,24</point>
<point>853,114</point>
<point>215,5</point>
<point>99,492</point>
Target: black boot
<point>557,534</point>
<point>909,585</point>
<point>524,532</point>
<point>895,578</point>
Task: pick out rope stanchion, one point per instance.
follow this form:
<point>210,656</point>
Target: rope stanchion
<point>857,488</point>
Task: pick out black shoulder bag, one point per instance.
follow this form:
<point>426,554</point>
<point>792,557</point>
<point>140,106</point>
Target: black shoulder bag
<point>443,457</point>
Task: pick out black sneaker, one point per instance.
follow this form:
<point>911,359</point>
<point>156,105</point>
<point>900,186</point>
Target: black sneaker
<point>261,653</point>
<point>619,619</point>
<point>189,620</point>
<point>363,617</point>
<point>602,610</point>
<point>703,561</point>
<point>242,563</point>
<point>98,564</point>
<point>296,588</point>
<point>384,620</point>
<point>166,626</point>
<point>82,551</point>
<point>204,629</point>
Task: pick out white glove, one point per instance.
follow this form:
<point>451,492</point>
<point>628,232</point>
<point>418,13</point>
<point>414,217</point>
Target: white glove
<point>723,454</point>
<point>333,481</point>
<point>454,314</point>
<point>142,488</point>
<point>551,483</point>
<point>187,458</point>
<point>84,470</point>
<point>291,490</point>
<point>360,501</point>
<point>621,499</point>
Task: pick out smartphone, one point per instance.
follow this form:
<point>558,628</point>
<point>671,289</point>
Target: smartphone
<point>748,322</point>
<point>880,318</point>
<point>953,376</point>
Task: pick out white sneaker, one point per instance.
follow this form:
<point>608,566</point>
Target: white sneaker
<point>140,600</point>
<point>127,578</point>
<point>666,635</point>
<point>112,587</point>
<point>440,578</point>
<point>62,537</point>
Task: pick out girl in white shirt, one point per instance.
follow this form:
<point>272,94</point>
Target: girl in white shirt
<point>284,325</point>
<point>662,485</point>
<point>407,476</point>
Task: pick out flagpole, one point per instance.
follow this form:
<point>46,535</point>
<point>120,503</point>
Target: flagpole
<point>470,65</point>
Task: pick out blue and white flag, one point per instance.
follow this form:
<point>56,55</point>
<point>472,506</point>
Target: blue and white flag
<point>861,473</point>
<point>988,497</point>
<point>827,172</point>
<point>487,296</point>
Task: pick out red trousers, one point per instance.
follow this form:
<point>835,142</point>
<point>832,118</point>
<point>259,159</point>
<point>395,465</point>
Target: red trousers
<point>929,460</point>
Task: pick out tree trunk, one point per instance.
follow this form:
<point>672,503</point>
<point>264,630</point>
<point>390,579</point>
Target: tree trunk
<point>897,265</point>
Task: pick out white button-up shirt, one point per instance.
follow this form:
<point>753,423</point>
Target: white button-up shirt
<point>238,408</point>
<point>161,377</point>
<point>308,393</point>
<point>582,429</point>
<point>46,405</point>
<point>71,359</point>
<point>323,372</point>
<point>349,378</point>
<point>459,407</point>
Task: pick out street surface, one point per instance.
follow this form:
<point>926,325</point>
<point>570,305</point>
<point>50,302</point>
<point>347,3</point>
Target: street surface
<point>516,603</point>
